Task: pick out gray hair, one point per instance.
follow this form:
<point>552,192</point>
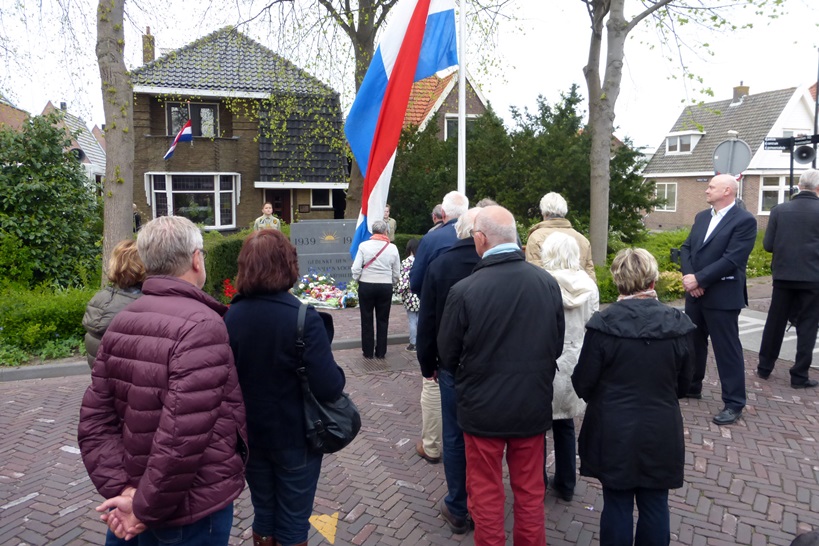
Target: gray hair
<point>809,180</point>
<point>489,221</point>
<point>166,244</point>
<point>464,225</point>
<point>486,202</point>
<point>560,251</point>
<point>633,270</point>
<point>379,226</point>
<point>438,212</point>
<point>553,204</point>
<point>454,204</point>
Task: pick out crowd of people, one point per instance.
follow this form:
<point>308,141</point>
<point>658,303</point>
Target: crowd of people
<point>190,398</point>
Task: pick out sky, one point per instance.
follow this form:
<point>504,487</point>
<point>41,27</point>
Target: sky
<point>541,53</point>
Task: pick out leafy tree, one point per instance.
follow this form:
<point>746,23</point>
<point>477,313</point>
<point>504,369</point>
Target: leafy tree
<point>603,75</point>
<point>48,211</point>
<point>424,171</point>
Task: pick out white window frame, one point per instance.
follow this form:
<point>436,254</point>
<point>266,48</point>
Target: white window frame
<point>216,193</point>
<point>198,128</point>
<point>448,117</point>
<point>676,140</point>
<point>782,189</point>
<point>669,206</point>
<point>321,207</point>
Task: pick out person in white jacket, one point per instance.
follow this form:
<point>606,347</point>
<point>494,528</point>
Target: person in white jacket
<point>377,267</point>
<point>560,255</point>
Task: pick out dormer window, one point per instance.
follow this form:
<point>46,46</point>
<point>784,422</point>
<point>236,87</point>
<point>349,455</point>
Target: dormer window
<point>682,142</point>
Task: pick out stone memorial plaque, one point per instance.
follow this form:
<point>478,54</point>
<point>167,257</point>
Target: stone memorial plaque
<point>324,247</point>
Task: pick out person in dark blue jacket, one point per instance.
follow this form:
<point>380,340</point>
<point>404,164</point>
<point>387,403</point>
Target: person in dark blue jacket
<point>282,471</point>
<point>434,243</point>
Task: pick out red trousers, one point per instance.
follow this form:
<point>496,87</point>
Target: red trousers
<point>484,486</point>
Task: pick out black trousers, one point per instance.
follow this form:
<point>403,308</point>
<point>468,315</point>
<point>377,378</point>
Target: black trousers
<point>785,301</point>
<point>374,297</point>
<point>722,326</point>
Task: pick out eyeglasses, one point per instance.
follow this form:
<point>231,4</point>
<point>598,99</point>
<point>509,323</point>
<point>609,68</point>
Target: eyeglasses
<point>203,252</point>
<point>472,232</point>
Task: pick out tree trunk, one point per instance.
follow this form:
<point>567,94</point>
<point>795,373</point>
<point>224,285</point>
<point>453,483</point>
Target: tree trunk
<point>117,94</point>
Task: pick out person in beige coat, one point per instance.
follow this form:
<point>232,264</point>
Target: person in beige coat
<point>561,258</point>
<point>554,208</point>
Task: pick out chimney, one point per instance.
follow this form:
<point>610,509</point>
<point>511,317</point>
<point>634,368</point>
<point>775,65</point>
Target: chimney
<point>147,46</point>
<point>63,106</point>
<point>741,91</point>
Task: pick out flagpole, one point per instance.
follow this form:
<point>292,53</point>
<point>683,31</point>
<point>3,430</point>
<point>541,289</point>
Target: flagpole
<point>462,99</point>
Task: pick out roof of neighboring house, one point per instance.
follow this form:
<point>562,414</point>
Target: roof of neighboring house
<point>424,97</point>
<point>225,63</point>
<point>429,94</point>
<point>11,115</point>
<point>85,141</point>
<point>752,118</point>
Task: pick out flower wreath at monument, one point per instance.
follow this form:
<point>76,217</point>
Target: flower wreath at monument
<point>321,290</point>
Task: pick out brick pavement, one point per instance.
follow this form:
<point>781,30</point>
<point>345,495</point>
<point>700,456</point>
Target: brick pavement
<point>756,482</point>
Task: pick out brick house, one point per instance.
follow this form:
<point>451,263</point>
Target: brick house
<point>10,115</point>
<point>684,163</point>
<point>439,95</point>
<point>263,130</point>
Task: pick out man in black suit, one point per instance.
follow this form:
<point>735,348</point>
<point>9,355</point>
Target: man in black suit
<point>713,265</point>
<point>793,237</point>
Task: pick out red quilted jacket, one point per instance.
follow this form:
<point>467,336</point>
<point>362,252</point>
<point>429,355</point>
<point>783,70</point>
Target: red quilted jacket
<point>164,412</point>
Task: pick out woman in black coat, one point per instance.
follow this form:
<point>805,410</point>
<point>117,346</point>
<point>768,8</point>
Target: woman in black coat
<point>632,369</point>
<point>282,471</point>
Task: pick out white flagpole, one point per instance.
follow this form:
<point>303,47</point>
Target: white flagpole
<point>462,100</point>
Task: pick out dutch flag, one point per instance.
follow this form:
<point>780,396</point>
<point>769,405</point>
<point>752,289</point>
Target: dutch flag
<point>185,135</point>
<point>419,41</point>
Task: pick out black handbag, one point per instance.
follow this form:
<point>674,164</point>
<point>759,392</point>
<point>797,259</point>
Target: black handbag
<point>330,426</point>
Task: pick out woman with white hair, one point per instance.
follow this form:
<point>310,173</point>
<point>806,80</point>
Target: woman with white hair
<point>377,267</point>
<point>560,256</point>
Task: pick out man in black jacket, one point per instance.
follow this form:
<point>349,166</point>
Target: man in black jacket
<point>502,331</point>
<point>793,237</point>
<point>447,269</point>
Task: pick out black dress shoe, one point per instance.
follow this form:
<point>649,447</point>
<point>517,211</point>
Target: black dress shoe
<point>762,374</point>
<point>727,417</point>
<point>565,494</point>
<point>809,384</point>
<point>694,395</point>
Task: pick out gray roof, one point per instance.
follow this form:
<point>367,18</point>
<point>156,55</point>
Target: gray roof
<point>89,145</point>
<point>752,118</point>
<point>228,61</point>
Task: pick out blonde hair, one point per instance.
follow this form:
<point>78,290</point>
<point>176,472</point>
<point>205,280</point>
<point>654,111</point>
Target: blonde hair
<point>633,270</point>
<point>125,269</point>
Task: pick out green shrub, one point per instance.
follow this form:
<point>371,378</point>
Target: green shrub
<point>12,356</point>
<point>608,291</point>
<point>759,262</point>
<point>222,261</point>
<point>61,348</point>
<point>30,319</point>
<point>670,286</point>
<point>401,240</point>
<point>660,245</point>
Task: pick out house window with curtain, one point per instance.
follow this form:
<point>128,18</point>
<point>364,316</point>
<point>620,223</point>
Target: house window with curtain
<point>682,143</point>
<point>667,191</point>
<point>204,198</point>
<point>773,190</point>
<point>204,118</point>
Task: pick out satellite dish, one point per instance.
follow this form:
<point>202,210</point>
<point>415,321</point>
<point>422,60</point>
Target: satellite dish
<point>732,157</point>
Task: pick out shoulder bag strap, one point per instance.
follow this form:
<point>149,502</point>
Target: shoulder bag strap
<point>300,345</point>
<point>383,248</point>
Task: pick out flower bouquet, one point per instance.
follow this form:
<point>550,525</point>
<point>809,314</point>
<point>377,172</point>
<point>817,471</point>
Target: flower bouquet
<point>322,291</point>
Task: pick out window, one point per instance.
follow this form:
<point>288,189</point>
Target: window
<point>677,143</point>
<point>667,191</point>
<point>773,190</point>
<point>204,118</point>
<point>321,199</point>
<point>451,125</point>
<point>203,198</point>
